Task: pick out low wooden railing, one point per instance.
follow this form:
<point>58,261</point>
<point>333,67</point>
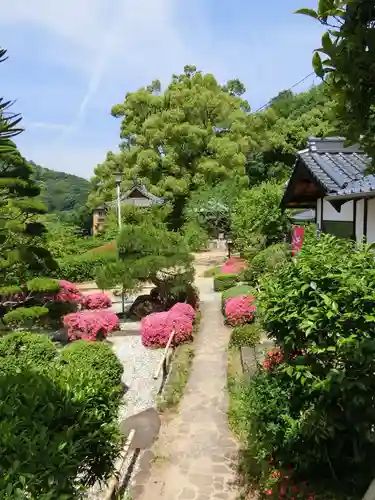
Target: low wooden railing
<point>114,481</point>
<point>163,365</point>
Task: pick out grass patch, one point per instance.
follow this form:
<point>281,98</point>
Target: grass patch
<point>209,273</point>
<point>178,378</point>
<point>179,374</point>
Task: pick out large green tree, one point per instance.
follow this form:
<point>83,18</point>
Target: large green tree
<point>194,133</point>
<point>346,60</point>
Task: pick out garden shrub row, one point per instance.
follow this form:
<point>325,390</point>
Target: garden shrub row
<point>224,281</point>
<point>58,411</point>
<point>308,416</point>
<point>84,267</point>
<point>266,261</point>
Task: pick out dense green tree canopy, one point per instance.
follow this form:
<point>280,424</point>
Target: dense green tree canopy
<point>348,50</point>
<point>61,192</point>
<point>194,133</point>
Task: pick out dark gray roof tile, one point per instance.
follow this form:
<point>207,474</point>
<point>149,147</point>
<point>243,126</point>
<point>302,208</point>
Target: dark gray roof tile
<point>361,186</point>
<point>333,164</point>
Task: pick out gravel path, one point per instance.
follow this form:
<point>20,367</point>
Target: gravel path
<point>139,366</point>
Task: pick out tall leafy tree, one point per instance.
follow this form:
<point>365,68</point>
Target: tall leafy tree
<point>346,60</point>
<point>194,133</point>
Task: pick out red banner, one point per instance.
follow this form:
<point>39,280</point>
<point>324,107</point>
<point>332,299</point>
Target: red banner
<point>297,239</point>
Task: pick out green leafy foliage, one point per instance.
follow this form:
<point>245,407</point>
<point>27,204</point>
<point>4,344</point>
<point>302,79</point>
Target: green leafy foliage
<point>57,418</point>
<point>211,206</point>
<point>148,252</point>
<point>25,349</point>
<point>266,261</point>
<point>319,308</point>
<point>246,335</point>
<point>236,291</point>
<point>64,239</point>
<point>24,316</point>
<point>193,133</point>
<point>195,237</point>
<point>85,267</point>
<point>224,281</point>
<point>348,53</point>
<point>61,192</point>
<point>95,357</point>
<point>257,212</point>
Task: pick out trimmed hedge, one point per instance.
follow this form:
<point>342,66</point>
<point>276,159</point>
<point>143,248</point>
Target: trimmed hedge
<point>83,267</point>
<point>224,281</point>
<point>58,417</point>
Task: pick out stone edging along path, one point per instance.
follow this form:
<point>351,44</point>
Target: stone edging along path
<point>196,452</point>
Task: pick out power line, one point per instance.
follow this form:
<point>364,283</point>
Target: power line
<point>291,88</point>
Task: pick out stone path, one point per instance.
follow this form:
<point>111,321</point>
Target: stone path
<point>197,448</point>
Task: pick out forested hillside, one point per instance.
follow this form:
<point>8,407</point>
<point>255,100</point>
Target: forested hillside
<point>61,192</point>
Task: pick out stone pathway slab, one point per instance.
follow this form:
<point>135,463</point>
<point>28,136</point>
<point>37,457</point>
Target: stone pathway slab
<point>199,447</point>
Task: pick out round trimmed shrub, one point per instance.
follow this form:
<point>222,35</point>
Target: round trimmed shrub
<point>95,356</point>
<point>236,291</point>
<point>233,265</point>
<point>157,328</point>
<point>30,350</point>
<point>90,325</point>
<point>224,281</point>
<point>58,419</point>
<point>96,300</point>
<point>240,310</point>
<point>184,309</point>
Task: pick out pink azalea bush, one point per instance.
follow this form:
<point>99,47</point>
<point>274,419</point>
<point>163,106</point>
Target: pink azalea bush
<point>68,293</point>
<point>184,309</point>
<point>240,310</point>
<point>96,300</point>
<point>233,265</point>
<point>156,328</point>
<point>90,325</point>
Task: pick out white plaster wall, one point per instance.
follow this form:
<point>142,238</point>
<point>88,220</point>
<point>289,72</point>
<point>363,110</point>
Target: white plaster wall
<point>359,220</point>
<point>330,213</point>
<point>371,220</point>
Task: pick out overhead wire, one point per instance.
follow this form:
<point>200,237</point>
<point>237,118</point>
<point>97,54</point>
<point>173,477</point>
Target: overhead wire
<point>291,88</point>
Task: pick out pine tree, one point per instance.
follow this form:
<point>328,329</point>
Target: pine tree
<point>22,252</point>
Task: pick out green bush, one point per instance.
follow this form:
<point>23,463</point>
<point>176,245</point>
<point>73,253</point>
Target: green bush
<point>25,316</point>
<point>224,281</point>
<point>97,357</point>
<point>58,417</point>
<point>266,261</point>
<point>236,291</point>
<point>320,309</point>
<point>29,350</point>
<point>83,267</point>
<point>257,212</point>
<point>195,237</point>
<point>246,335</point>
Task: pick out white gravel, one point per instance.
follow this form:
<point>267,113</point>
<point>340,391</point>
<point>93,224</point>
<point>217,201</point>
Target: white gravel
<point>139,364</point>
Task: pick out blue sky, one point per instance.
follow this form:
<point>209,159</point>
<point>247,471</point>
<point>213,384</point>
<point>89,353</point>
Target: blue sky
<point>70,61</point>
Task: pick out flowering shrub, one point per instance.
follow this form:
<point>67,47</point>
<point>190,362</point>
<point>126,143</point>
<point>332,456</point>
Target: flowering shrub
<point>281,485</point>
<point>97,300</point>
<point>157,327</point>
<point>240,310</point>
<point>68,293</point>
<point>273,358</point>
<point>90,325</point>
<point>184,309</point>
<point>233,266</point>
